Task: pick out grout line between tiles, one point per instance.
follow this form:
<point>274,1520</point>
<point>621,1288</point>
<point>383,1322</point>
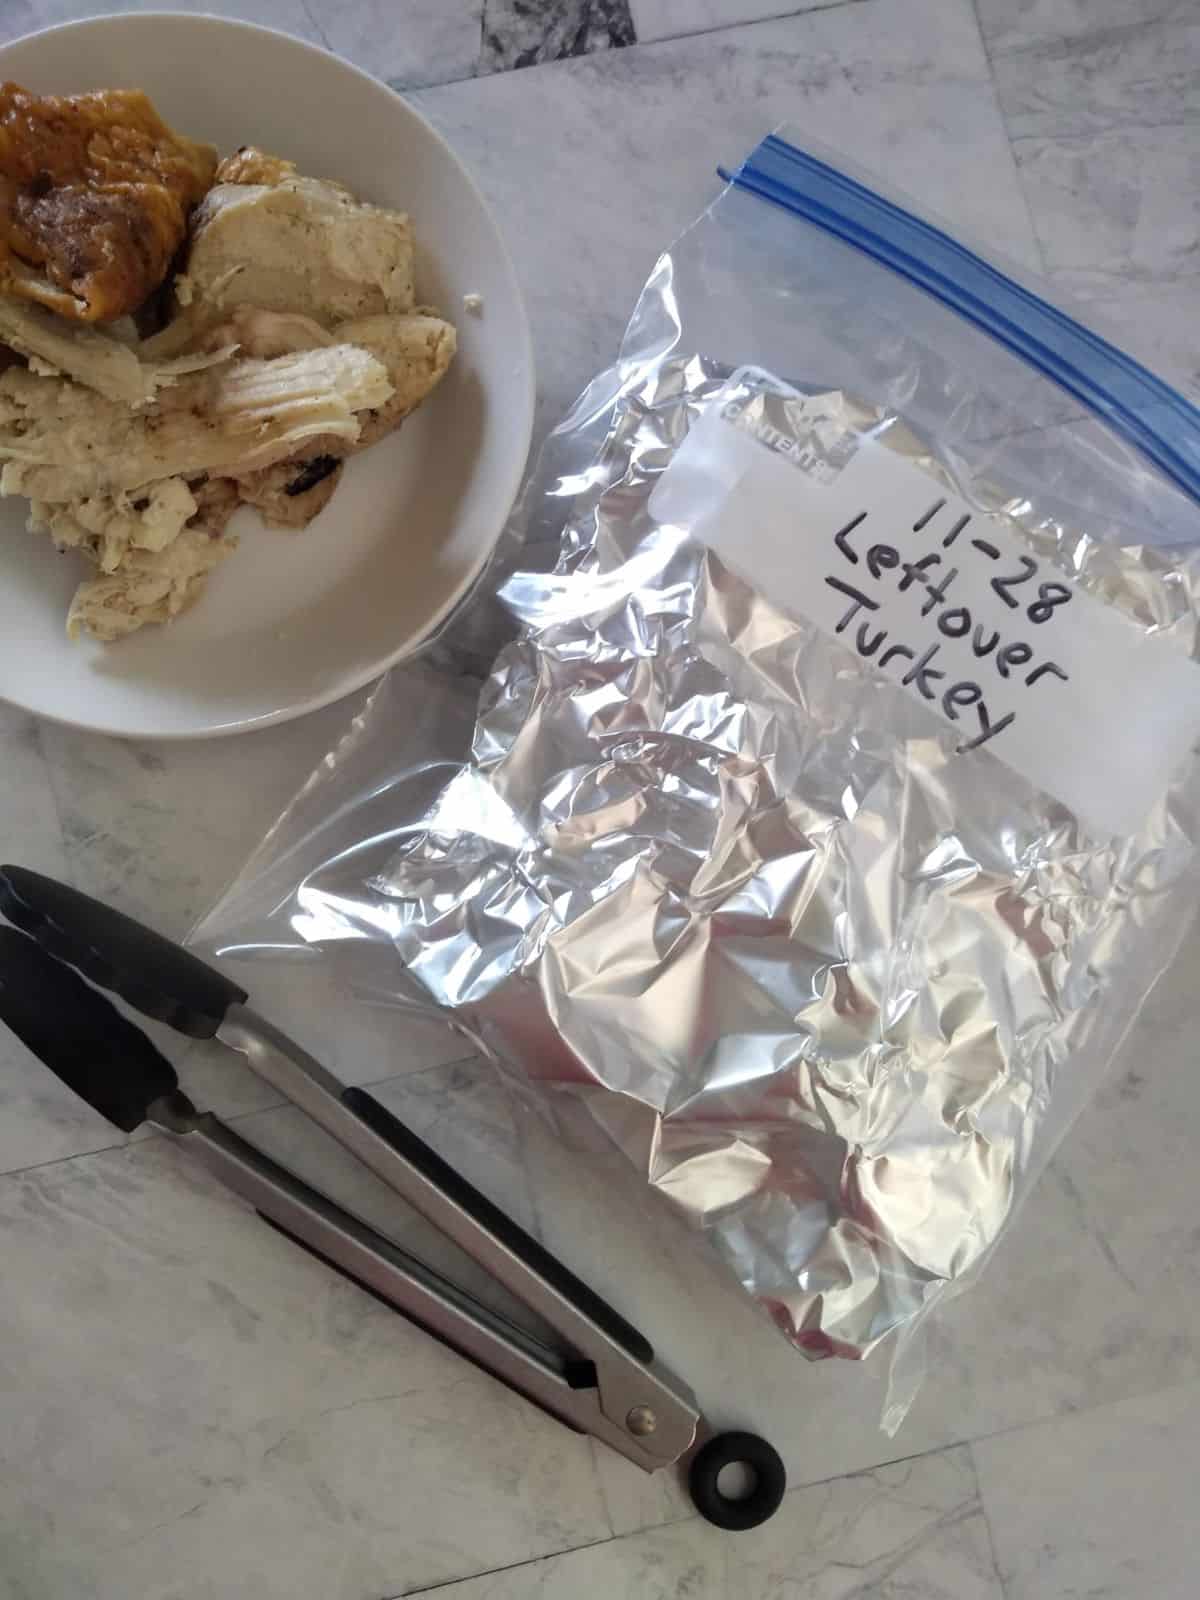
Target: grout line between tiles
<point>521,1114</point>
<point>965,1442</point>
<point>987,1522</point>
<point>315,23</point>
<point>1093,137</point>
<point>62,1161</point>
<point>983,38</point>
<point>232,1117</point>
<point>48,767</point>
<point>1010,141</point>
<point>401,87</point>
<point>283,1103</point>
<point>512,1566</point>
<point>364,1083</point>
<point>680,1521</point>
<point>752,22</point>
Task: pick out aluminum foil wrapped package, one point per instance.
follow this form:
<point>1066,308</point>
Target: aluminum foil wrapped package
<point>830,815</point>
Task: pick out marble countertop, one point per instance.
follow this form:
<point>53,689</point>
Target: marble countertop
<point>190,1410</point>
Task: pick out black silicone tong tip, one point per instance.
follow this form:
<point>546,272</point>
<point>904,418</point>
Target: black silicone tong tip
<point>150,973</point>
<point>79,1034</point>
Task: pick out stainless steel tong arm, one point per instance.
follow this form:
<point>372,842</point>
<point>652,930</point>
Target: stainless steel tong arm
<point>610,1385</point>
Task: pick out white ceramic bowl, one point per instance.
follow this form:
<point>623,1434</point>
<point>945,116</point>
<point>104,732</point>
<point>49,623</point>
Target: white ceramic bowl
<point>290,621</point>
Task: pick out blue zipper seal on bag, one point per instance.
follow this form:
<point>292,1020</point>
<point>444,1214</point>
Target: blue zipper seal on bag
<point>1144,410</point>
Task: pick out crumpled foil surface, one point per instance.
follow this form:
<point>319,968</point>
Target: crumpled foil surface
<point>828,984</point>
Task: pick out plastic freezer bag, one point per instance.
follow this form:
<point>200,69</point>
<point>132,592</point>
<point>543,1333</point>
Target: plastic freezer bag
<point>826,822</point>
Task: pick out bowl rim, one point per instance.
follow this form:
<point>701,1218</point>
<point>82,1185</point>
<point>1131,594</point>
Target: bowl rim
<point>525,382</point>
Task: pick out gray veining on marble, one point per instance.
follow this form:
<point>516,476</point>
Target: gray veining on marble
<point>27,803</point>
<point>1010,24</point>
<point>667,19</point>
<point>411,44</point>
<point>1159,323</point>
<point>1104,128</point>
<point>423,42</point>
<point>39,1119</point>
<point>903,87</point>
<point>1116,212</point>
<point>914,1529</point>
<point>188,1404</point>
<point>1102,106</point>
<point>521,33</point>
<point>1136,76</point>
<point>1105,123</point>
<point>188,1399</point>
<point>1102,1505</point>
<point>157,828</point>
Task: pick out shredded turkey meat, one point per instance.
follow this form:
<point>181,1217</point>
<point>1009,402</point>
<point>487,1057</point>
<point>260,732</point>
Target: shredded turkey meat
<point>293,341</point>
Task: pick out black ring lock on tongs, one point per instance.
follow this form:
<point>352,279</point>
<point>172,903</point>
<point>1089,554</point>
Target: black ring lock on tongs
<point>609,1383</point>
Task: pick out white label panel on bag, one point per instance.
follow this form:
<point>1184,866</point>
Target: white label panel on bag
<point>945,600</point>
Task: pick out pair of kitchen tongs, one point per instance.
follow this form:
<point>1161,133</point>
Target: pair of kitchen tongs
<point>605,1380</point>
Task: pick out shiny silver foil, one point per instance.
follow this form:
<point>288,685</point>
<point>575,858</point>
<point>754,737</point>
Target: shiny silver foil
<point>817,975</point>
<point>706,878</point>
